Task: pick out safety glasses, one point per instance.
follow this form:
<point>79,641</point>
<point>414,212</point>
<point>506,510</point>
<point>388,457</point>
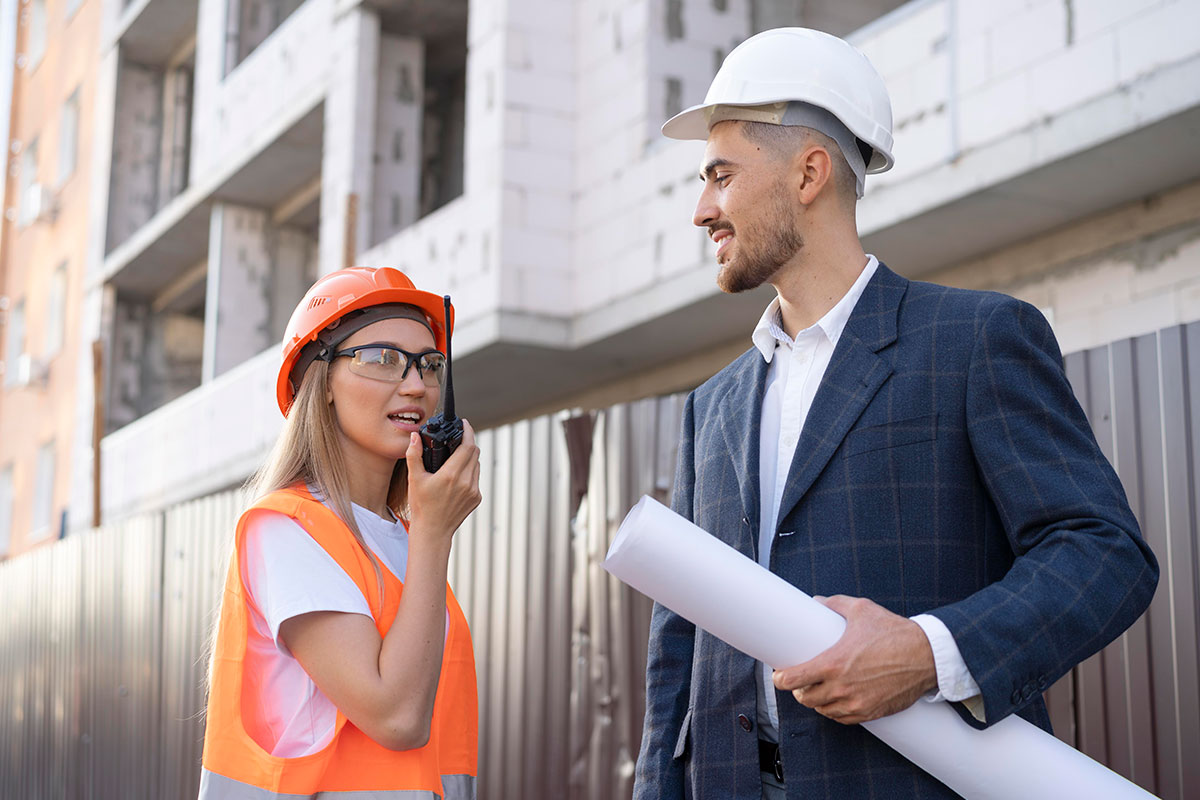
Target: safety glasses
<point>391,364</point>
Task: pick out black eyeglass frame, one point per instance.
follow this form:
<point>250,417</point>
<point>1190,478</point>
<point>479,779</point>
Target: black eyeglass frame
<point>409,358</point>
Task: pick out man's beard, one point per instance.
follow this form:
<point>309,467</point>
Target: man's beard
<point>779,242</point>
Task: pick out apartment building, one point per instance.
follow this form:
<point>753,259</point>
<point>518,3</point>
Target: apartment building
<point>507,152</point>
<point>43,250</point>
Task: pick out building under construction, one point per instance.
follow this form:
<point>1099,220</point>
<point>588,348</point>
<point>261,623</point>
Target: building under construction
<point>508,152</point>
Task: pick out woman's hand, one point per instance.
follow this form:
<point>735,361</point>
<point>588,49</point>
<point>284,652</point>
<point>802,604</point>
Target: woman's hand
<point>439,502</point>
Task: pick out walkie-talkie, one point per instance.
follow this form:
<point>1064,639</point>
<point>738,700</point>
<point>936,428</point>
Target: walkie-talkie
<point>443,433</point>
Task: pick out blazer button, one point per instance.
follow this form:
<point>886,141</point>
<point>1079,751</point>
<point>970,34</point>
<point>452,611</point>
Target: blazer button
<point>745,722</point>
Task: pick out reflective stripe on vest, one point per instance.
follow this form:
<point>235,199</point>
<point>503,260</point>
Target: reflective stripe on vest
<point>352,764</point>
<point>457,787</point>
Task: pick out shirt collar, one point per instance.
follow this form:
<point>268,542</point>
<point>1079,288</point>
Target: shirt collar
<point>769,334</point>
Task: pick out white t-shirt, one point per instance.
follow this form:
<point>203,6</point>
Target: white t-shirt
<point>286,573</point>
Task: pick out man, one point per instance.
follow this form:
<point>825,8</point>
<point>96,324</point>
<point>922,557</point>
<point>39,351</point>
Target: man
<point>910,452</point>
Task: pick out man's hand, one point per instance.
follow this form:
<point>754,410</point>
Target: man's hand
<point>881,665</point>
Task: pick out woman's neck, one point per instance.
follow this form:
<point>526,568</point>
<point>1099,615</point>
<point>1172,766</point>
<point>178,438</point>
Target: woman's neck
<point>369,488</point>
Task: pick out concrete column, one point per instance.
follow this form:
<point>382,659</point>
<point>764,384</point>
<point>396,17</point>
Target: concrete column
<point>294,268</point>
<point>96,306</point>
<point>400,100</point>
<point>133,198</point>
<point>237,308</point>
<point>92,309</point>
<point>127,354</point>
<point>257,272</point>
<point>349,136</point>
<point>209,71</point>
<point>173,147</point>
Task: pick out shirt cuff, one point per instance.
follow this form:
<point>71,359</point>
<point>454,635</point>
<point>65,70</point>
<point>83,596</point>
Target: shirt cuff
<point>954,679</point>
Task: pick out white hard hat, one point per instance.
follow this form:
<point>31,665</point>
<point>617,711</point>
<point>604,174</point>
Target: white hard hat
<point>797,64</point>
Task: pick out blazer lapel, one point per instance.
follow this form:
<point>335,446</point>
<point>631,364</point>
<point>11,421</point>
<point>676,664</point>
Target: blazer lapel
<point>740,409</point>
<point>854,375</point>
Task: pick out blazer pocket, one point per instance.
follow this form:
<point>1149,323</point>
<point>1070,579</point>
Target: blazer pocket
<point>681,743</point>
<point>892,434</point>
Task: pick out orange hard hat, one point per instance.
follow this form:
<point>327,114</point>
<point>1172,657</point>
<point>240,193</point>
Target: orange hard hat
<point>337,294</point>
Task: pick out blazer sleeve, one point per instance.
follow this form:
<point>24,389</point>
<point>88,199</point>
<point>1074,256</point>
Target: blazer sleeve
<point>1082,573</point>
<point>659,772</point>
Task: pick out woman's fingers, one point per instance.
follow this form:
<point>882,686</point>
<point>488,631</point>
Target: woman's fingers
<point>413,455</point>
<point>445,498</point>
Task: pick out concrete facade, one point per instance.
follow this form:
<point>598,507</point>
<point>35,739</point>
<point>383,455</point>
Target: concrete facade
<point>508,153</point>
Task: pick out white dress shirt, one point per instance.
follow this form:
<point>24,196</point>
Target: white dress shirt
<point>796,367</point>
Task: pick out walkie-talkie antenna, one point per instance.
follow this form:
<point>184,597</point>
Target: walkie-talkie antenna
<point>443,433</point>
<point>448,409</point>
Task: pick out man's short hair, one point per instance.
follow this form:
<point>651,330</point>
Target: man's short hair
<point>787,140</point>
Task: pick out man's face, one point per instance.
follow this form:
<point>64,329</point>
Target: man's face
<point>747,209</point>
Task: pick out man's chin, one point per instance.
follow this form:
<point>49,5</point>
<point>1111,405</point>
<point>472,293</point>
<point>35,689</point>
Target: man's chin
<point>734,281</point>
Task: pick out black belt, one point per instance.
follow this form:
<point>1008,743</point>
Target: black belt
<point>769,760</point>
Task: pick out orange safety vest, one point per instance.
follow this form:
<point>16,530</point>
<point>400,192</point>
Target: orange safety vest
<point>235,766</point>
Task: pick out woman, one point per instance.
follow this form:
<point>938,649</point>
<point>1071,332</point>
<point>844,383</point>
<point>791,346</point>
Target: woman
<point>329,674</point>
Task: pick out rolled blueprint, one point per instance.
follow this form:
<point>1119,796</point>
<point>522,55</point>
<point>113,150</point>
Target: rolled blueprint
<point>723,592</point>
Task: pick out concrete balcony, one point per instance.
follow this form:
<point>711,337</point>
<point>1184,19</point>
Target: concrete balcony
<point>150,31</point>
<point>212,438</point>
<point>1027,115</point>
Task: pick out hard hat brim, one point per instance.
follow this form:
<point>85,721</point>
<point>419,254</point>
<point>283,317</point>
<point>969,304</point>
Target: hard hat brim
<point>692,124</point>
<point>687,125</point>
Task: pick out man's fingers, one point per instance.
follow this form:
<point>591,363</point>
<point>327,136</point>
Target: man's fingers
<point>796,677</point>
<point>840,603</point>
<point>838,713</point>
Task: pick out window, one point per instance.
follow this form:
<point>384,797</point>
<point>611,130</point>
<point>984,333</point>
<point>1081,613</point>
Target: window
<point>43,492</point>
<point>68,137</point>
<point>37,33</point>
<point>56,312</point>
<point>6,509</point>
<point>30,189</point>
<point>15,344</point>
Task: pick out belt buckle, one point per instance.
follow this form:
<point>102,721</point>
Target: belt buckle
<point>778,765</point>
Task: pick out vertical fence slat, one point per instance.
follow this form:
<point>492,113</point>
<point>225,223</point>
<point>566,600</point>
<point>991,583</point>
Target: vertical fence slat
<point>1176,560</point>
<point>534,484</point>
<point>1186,514</point>
<point>559,665</point>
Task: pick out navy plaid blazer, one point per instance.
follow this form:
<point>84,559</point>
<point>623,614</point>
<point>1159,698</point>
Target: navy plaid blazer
<point>945,467</point>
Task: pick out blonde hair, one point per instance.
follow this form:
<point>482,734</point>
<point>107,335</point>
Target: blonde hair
<point>307,451</point>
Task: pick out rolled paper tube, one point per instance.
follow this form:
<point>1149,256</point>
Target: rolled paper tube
<point>706,581</point>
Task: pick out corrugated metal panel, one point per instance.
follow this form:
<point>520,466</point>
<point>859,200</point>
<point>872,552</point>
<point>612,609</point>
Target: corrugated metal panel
<point>198,539</point>
<point>633,453</point>
<point>125,649</point>
<point>1136,703</point>
<point>510,571</point>
<point>103,639</point>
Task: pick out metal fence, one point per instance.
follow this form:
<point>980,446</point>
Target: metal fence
<point>103,635</point>
<point>1136,705</point>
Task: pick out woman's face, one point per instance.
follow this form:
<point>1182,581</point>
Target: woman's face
<point>375,418</point>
